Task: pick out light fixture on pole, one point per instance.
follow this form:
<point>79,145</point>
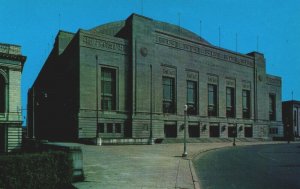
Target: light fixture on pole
<point>185,125</point>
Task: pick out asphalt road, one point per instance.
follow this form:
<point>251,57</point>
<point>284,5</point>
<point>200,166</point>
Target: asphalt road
<point>273,166</point>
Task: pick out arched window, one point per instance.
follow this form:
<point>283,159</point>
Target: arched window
<point>2,94</point>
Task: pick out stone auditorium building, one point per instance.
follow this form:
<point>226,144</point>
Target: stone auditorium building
<point>130,80</point>
<point>11,66</point>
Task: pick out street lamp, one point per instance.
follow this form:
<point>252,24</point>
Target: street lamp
<point>234,134</point>
<point>151,141</point>
<point>98,139</point>
<point>185,125</point>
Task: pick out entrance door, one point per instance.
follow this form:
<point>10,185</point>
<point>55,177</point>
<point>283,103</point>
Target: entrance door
<point>214,131</point>
<point>248,132</point>
<point>232,132</point>
<point>194,131</point>
<point>2,138</point>
<point>170,131</point>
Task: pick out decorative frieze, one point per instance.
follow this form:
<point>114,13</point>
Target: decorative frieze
<point>10,49</point>
<point>273,81</point>
<point>246,85</point>
<point>103,44</point>
<point>204,50</point>
<point>212,79</point>
<point>192,75</point>
<point>168,71</point>
<point>230,82</point>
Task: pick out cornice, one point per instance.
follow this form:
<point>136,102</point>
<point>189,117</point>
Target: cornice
<point>20,58</point>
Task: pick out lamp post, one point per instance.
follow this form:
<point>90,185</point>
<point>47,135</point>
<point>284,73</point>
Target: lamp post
<point>98,139</point>
<point>185,125</point>
<point>234,134</point>
<point>151,141</point>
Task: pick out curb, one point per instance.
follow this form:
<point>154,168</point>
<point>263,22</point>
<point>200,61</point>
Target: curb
<point>194,175</point>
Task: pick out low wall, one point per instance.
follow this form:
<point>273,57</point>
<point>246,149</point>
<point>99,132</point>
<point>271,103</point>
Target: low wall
<point>75,154</point>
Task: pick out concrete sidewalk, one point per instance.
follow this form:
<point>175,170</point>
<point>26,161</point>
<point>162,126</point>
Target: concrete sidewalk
<point>143,166</point>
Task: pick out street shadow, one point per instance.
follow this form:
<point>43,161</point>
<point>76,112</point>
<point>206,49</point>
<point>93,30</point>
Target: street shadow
<point>178,156</point>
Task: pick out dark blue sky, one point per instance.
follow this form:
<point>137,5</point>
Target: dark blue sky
<point>270,26</point>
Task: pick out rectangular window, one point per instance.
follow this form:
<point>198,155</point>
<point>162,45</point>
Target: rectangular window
<point>248,132</point>
<point>273,130</point>
<point>101,127</point>
<point>108,89</point>
<point>170,131</point>
<point>168,95</point>
<point>232,131</point>
<point>272,107</point>
<point>246,104</point>
<point>192,97</point>
<point>212,100</point>
<point>109,128</point>
<point>230,106</point>
<point>117,128</point>
<point>194,131</point>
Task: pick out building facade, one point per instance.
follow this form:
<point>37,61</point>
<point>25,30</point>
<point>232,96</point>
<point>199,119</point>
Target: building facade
<point>291,118</point>
<point>132,79</point>
<point>11,65</point>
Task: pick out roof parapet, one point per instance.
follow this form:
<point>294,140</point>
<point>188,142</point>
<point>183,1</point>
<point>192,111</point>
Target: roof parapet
<point>10,49</point>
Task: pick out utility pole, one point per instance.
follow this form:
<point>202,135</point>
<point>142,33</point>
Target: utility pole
<point>236,42</point>
<point>151,108</point>
<point>219,36</point>
<point>142,7</point>
<point>200,34</point>
<point>257,43</point>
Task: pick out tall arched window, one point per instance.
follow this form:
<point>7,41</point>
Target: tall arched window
<point>2,94</point>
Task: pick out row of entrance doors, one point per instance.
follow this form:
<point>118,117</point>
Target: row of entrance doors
<point>2,139</point>
<point>214,131</point>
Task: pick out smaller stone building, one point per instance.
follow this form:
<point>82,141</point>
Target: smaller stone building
<point>291,118</point>
<point>11,66</point>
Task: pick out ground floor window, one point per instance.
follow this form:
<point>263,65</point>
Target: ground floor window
<point>273,130</point>
<point>232,132</point>
<point>214,131</point>
<point>117,128</point>
<point>109,128</point>
<point>248,132</point>
<point>170,131</point>
<point>194,131</point>
<point>101,127</point>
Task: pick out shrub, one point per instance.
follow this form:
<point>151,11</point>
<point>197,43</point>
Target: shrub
<point>39,170</point>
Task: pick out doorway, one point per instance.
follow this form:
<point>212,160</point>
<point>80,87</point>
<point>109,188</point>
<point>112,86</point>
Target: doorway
<point>214,131</point>
<point>170,131</point>
<point>194,131</point>
<point>232,132</point>
<point>2,138</point>
<point>248,132</point>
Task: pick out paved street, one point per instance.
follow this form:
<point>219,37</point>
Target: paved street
<point>259,167</point>
<point>142,166</point>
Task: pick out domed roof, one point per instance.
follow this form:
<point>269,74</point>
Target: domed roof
<point>179,31</point>
<point>113,28</point>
